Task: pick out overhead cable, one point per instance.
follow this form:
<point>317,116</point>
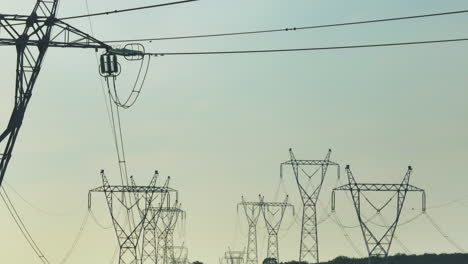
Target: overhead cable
<point>22,227</point>
<point>127,10</point>
<point>289,29</point>
<point>439,229</point>
<point>377,45</point>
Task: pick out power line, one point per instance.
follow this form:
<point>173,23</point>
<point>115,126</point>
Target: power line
<point>307,49</point>
<point>127,10</point>
<point>288,29</point>
<point>77,238</point>
<point>439,229</point>
<point>21,226</point>
<point>37,208</point>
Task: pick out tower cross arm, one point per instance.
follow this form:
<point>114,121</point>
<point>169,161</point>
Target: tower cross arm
<point>249,203</point>
<point>378,187</point>
<point>310,162</point>
<point>67,36</point>
<point>71,37</point>
<point>133,189</point>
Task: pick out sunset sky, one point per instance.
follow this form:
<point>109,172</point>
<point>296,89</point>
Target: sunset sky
<point>221,125</point>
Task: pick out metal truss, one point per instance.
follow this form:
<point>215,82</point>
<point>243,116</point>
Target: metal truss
<point>379,246</point>
<point>128,235</point>
<point>252,212</point>
<point>180,254</point>
<point>309,249</point>
<point>234,257</point>
<point>273,213</point>
<point>32,36</point>
<point>149,243</point>
<point>165,231</point>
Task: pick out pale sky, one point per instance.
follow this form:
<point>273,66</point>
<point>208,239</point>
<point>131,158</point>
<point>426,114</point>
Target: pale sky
<point>221,125</point>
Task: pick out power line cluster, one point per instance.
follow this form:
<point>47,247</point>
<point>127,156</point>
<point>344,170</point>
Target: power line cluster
<point>38,29</point>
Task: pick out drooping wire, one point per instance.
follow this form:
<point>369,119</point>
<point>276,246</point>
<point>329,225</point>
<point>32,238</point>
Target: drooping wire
<point>346,235</point>
<point>291,29</point>
<point>441,231</point>
<point>137,87</point>
<point>30,204</point>
<point>77,238</point>
<point>464,197</point>
<point>383,206</point>
<point>344,47</point>
<point>21,226</point>
<point>99,223</point>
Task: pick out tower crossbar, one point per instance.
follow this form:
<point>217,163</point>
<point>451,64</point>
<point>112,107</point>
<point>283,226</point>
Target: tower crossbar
<point>378,246</point>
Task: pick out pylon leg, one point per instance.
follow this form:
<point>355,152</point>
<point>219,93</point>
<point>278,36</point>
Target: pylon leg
<point>309,235</point>
<point>252,253</point>
<point>272,252</point>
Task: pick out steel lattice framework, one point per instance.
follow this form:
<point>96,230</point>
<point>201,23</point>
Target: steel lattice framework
<point>32,36</point>
<point>309,250</point>
<point>378,247</point>
<point>165,232</point>
<point>273,213</point>
<point>149,243</point>
<point>128,236</point>
<point>234,257</point>
<point>252,212</point>
<point>180,254</point>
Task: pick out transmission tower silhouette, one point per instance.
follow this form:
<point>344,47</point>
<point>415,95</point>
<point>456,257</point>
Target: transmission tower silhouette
<point>252,212</point>
<point>180,254</point>
<point>309,249</point>
<point>378,246</point>
<point>168,217</point>
<point>149,243</point>
<point>273,213</point>
<point>128,236</point>
<point>234,257</point>
<point>149,239</point>
<point>32,36</point>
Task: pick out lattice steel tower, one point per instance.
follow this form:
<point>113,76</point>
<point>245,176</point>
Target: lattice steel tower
<point>149,243</point>
<point>309,250</point>
<point>234,257</point>
<point>32,36</point>
<point>273,213</point>
<point>252,212</point>
<point>128,236</point>
<point>379,246</point>
<point>168,217</point>
<point>180,254</point>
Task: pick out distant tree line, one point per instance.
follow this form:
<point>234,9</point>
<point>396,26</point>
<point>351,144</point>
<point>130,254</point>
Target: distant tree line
<point>400,259</point>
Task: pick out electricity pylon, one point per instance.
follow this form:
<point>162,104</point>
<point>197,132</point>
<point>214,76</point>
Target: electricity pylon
<point>180,254</point>
<point>149,236</point>
<point>32,36</point>
<point>273,213</point>
<point>128,236</point>
<point>379,246</point>
<point>309,250</point>
<point>178,214</point>
<point>234,257</point>
<point>252,212</point>
<point>149,239</point>
<point>168,217</point>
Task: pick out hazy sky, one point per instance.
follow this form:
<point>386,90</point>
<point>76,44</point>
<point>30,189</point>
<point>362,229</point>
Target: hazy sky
<point>221,125</point>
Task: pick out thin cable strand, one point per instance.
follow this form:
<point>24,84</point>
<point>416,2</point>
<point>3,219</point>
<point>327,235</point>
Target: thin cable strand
<point>127,10</point>
<point>289,29</point>
<point>309,49</point>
